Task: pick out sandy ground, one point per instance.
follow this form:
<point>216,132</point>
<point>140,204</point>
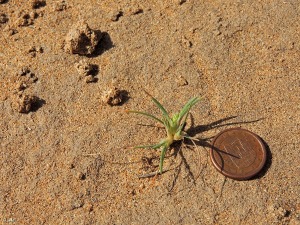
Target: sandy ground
<point>242,57</point>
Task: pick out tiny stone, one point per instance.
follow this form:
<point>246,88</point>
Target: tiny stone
<point>77,204</point>
<point>181,81</point>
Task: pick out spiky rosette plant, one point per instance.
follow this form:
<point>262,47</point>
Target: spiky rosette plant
<point>173,124</point>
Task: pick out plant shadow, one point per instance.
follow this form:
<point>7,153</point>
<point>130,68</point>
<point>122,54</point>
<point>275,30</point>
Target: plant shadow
<point>206,143</point>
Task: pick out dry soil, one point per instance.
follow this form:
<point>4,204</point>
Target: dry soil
<point>66,158</point>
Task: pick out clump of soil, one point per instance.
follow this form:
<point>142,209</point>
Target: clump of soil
<point>25,103</point>
<point>115,15</point>
<point>34,50</point>
<point>81,39</point>
<point>60,5</point>
<point>3,18</point>
<point>181,81</point>
<point>38,4</point>
<point>26,19</point>
<point>84,68</point>
<point>113,96</point>
<point>278,213</point>
<point>25,79</point>
<point>87,70</point>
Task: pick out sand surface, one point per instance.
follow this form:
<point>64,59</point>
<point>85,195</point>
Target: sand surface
<point>66,158</point>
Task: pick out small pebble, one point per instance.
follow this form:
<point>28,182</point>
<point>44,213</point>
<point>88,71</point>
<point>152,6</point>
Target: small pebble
<point>181,81</point>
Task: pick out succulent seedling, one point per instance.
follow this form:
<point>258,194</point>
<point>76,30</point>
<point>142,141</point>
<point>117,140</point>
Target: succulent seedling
<point>173,124</point>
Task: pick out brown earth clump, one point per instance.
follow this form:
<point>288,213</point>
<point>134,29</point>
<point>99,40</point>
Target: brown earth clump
<point>81,39</point>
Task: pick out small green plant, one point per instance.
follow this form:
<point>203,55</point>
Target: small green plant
<point>173,124</point>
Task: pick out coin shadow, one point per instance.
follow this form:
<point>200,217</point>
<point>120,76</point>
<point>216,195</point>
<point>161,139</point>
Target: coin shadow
<point>206,143</point>
<point>193,131</point>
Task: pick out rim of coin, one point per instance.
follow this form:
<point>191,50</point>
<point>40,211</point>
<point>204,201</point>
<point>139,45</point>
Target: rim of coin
<point>238,153</point>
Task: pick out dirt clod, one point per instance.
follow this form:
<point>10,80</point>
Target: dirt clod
<point>278,212</point>
<point>113,96</point>
<point>115,16</point>
<point>60,5</point>
<point>80,176</point>
<point>25,78</point>
<point>90,79</point>
<point>84,68</point>
<point>24,71</point>
<point>3,18</point>
<point>81,39</point>
<point>181,81</point>
<point>78,203</point>
<point>88,207</point>
<point>87,70</point>
<point>25,103</point>
<point>34,50</point>
<point>26,19</point>
<point>38,4</point>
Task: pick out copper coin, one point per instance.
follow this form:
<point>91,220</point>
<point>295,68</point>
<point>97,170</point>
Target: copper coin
<point>238,153</point>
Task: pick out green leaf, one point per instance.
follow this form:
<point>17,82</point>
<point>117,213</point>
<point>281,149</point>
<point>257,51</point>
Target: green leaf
<point>164,111</point>
<point>155,146</point>
<point>186,108</point>
<point>162,156</point>
<point>145,114</point>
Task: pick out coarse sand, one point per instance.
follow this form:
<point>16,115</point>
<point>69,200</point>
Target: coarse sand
<point>65,142</point>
